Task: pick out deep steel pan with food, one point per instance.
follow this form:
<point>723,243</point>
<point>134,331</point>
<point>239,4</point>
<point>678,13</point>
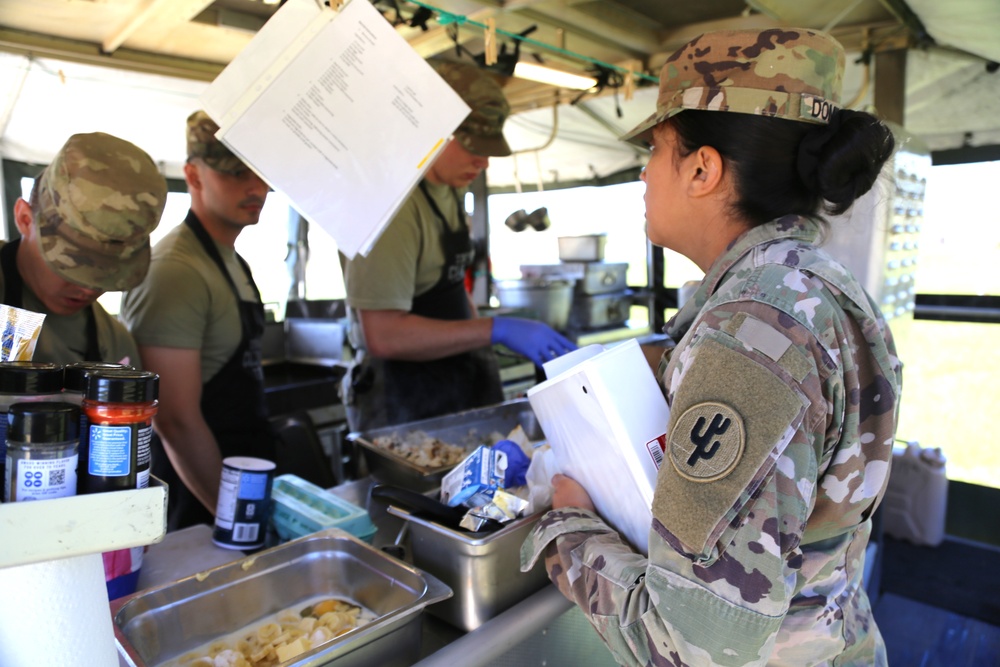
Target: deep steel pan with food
<point>162,623</point>
<point>467,429</point>
<point>482,569</point>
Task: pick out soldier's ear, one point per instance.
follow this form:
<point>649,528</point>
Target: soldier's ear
<point>23,217</point>
<point>192,176</point>
<point>708,170</point>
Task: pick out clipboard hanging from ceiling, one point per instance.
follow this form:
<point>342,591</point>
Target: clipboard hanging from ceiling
<point>346,146</point>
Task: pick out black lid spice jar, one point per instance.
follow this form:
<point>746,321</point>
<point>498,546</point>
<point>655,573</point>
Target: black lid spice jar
<point>23,381</point>
<point>75,377</point>
<point>118,406</point>
<point>42,441</point>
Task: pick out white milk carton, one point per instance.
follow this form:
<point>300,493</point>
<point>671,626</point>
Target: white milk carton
<point>606,420</point>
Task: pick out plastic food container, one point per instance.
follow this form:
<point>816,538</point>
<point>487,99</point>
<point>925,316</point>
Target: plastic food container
<point>162,623</point>
<point>300,508</point>
<point>589,248</point>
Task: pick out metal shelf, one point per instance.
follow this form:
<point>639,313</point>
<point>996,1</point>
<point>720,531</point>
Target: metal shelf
<point>44,530</point>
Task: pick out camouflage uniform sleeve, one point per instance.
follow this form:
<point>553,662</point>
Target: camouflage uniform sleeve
<point>729,511</point>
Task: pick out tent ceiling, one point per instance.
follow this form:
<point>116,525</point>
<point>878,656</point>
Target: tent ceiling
<point>178,45</point>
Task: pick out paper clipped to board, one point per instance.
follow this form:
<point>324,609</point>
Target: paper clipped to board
<point>337,111</point>
<point>606,420</point>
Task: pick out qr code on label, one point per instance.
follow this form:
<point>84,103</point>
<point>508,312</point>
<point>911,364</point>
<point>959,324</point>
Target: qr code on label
<point>57,477</point>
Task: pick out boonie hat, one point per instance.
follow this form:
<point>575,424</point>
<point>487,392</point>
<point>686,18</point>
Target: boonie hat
<point>201,143</point>
<point>97,202</point>
<point>790,73</point>
<point>481,133</point>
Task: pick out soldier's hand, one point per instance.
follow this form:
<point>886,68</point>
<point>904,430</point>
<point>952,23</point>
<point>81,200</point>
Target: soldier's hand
<point>567,492</point>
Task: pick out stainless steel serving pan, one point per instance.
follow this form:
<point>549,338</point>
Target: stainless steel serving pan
<point>592,311</point>
<point>161,623</point>
<point>466,429</point>
<point>587,248</point>
<point>483,569</point>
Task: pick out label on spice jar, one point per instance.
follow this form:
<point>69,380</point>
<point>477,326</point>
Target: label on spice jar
<point>110,453</point>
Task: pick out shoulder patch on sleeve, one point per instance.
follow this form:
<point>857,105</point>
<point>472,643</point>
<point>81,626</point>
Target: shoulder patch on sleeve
<point>705,480</point>
<point>707,442</point>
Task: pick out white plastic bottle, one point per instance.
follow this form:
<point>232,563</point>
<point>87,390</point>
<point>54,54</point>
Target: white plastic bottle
<point>916,499</point>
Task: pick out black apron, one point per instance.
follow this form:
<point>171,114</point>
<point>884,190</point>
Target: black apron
<point>13,296</point>
<point>420,389</point>
<point>232,402</point>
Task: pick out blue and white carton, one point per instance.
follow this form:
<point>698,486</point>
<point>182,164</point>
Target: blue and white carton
<point>474,481</point>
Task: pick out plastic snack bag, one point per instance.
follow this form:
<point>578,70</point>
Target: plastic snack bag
<point>20,333</point>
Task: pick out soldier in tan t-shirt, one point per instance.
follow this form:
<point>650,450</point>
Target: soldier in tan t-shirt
<point>426,351</point>
<point>198,319</point>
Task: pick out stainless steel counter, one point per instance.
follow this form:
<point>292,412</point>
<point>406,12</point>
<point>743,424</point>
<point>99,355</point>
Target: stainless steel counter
<point>545,628</point>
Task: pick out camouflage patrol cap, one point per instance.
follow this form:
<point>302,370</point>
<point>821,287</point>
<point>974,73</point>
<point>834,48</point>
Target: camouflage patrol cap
<point>788,73</point>
<point>481,133</point>
<point>201,143</point>
<point>97,203</point>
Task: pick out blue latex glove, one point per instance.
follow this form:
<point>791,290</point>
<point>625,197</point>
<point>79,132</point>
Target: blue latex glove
<point>517,464</point>
<point>539,342</point>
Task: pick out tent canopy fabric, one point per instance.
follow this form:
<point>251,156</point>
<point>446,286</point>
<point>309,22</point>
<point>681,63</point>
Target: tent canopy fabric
<point>952,93</point>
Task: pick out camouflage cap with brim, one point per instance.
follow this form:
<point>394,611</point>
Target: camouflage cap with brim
<point>790,73</point>
<point>97,203</point>
<point>202,144</point>
<point>481,133</point>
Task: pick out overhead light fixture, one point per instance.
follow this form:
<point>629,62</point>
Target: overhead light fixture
<point>553,77</point>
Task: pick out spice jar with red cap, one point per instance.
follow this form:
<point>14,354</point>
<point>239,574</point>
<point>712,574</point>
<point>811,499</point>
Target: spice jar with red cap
<point>118,407</point>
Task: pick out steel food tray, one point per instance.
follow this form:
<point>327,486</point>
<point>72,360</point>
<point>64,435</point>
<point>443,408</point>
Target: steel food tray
<point>160,624</point>
<point>482,569</point>
<point>466,429</point>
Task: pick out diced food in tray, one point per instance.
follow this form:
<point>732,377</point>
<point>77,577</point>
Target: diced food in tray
<point>421,449</point>
<point>280,638</point>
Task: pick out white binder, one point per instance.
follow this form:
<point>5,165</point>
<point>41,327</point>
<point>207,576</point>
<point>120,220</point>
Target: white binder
<point>606,421</point>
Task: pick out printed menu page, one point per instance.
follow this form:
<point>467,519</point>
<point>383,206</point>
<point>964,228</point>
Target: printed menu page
<point>337,111</point>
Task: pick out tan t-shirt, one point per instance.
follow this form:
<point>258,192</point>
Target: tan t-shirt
<point>63,339</point>
<point>185,302</point>
<point>407,259</point>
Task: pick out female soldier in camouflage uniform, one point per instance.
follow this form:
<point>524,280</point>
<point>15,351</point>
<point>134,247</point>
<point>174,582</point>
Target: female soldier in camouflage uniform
<point>783,384</point>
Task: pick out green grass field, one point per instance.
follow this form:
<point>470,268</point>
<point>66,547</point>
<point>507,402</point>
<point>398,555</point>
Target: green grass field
<point>951,370</point>
<point>950,376</point>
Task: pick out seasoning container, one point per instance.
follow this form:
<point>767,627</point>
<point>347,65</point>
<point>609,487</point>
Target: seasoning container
<point>42,451</point>
<point>118,408</point>
<point>75,377</point>
<point>25,381</point>
<point>75,382</point>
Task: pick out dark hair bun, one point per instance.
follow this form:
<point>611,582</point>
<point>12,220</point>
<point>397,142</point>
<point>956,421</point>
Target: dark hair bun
<point>841,161</point>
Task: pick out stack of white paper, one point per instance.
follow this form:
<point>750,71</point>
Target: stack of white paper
<point>336,110</point>
<point>606,420</point>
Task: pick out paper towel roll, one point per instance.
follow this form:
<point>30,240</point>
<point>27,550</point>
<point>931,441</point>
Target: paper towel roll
<point>55,614</point>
